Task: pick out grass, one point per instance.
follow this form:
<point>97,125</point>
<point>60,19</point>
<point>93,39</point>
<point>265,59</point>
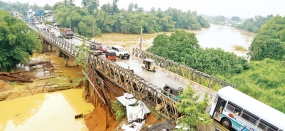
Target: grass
<point>239,48</point>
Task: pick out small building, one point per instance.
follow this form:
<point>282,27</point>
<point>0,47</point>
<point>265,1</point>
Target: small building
<point>16,14</point>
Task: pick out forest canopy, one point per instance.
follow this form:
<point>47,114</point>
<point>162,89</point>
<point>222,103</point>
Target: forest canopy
<point>108,18</point>
<point>183,47</point>
<point>269,41</point>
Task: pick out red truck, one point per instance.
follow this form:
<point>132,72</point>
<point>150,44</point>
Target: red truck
<point>66,32</point>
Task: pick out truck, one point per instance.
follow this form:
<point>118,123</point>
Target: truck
<point>66,32</point>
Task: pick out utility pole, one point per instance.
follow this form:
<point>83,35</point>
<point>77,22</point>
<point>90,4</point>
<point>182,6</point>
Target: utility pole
<point>70,23</point>
<point>140,40</point>
<point>93,25</point>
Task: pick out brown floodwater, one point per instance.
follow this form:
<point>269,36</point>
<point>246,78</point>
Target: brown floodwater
<point>45,112</point>
<point>72,71</point>
<point>129,41</point>
<point>217,36</point>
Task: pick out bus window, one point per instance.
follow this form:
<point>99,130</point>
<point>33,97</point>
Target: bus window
<point>262,126</point>
<point>249,117</point>
<point>265,126</point>
<point>234,108</point>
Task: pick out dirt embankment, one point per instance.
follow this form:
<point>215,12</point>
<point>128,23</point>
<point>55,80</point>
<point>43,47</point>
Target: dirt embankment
<point>12,90</point>
<point>96,120</point>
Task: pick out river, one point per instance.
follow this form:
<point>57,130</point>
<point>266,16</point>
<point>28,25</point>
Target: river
<point>55,111</point>
<point>225,37</point>
<point>217,36</point>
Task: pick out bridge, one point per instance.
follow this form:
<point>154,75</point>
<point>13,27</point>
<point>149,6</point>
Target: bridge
<point>146,86</point>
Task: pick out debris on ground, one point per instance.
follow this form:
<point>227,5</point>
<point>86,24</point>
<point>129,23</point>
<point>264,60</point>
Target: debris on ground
<point>19,77</point>
<point>166,125</point>
<point>46,65</point>
<point>136,112</point>
<point>78,116</point>
<point>135,126</point>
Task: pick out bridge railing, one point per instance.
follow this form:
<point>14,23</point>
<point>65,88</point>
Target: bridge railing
<point>187,72</point>
<point>155,98</point>
<point>64,45</point>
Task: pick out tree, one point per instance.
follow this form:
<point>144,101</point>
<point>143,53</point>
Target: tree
<point>47,7</point>
<point>69,2</point>
<point>17,42</point>
<point>57,4</point>
<point>269,42</point>
<point>193,111</point>
<point>35,7</point>
<point>253,24</point>
<point>82,56</point>
<point>130,7</point>
<point>115,8</point>
<point>182,47</point>
<point>90,5</point>
<point>235,18</point>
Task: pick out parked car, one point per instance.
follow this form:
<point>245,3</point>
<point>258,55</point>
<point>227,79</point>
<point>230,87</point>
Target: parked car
<point>121,52</point>
<point>103,48</point>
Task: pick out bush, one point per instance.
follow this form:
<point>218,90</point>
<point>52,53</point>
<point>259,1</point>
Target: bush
<point>119,109</point>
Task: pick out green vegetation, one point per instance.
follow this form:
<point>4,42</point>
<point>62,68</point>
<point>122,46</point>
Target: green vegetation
<point>239,48</point>
<point>183,47</point>
<point>90,20</point>
<point>193,111</point>
<point>253,24</point>
<point>17,6</point>
<point>270,40</point>
<point>119,109</point>
<point>17,42</point>
<point>264,81</point>
<point>262,77</point>
<point>216,20</point>
<point>235,18</point>
<point>82,56</point>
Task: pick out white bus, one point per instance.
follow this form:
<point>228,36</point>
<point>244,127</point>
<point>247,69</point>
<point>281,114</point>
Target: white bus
<point>236,110</point>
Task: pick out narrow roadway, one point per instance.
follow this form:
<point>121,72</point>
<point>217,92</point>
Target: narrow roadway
<point>160,77</point>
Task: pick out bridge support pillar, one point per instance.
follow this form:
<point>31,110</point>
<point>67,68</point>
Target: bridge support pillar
<point>60,53</point>
<point>46,47</point>
<point>66,59</point>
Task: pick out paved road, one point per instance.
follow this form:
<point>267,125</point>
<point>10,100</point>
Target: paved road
<point>162,77</point>
<point>158,78</point>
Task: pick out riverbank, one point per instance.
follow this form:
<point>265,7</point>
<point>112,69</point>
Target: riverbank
<point>61,81</point>
<point>14,90</point>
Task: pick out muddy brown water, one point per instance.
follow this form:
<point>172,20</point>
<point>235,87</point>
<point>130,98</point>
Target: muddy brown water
<point>72,71</point>
<point>217,36</point>
<point>45,112</point>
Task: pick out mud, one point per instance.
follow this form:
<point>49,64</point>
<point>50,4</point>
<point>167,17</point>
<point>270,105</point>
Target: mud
<point>7,91</point>
<point>96,121</point>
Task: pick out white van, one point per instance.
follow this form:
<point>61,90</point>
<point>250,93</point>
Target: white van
<point>121,52</point>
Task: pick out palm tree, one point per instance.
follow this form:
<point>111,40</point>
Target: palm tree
<point>91,5</point>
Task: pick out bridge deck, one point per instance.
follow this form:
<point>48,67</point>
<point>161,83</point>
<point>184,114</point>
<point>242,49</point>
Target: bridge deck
<point>157,79</point>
